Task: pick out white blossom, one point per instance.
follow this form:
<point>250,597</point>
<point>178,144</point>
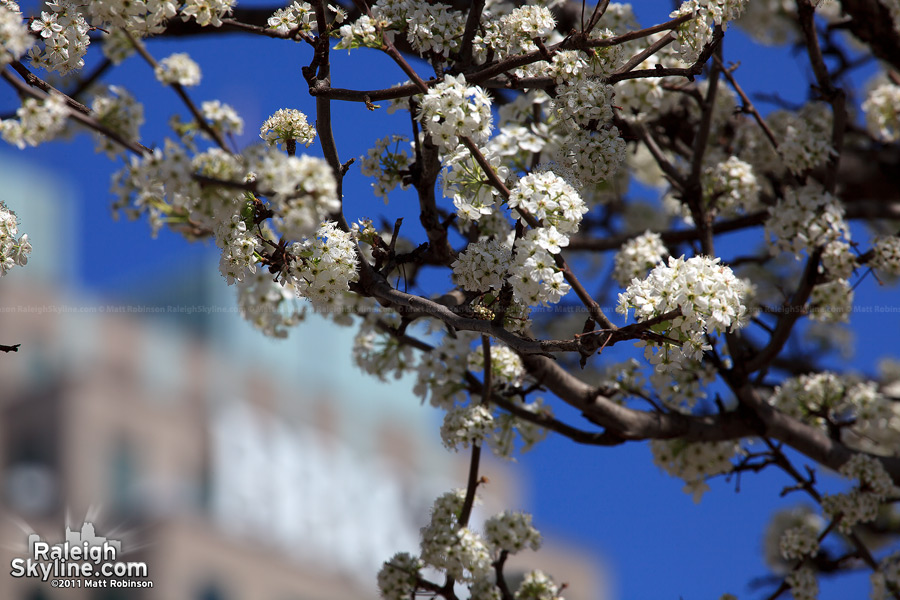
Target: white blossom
<point>14,250</point>
<point>286,125</point>
<point>637,256</point>
<point>452,109</point>
<point>178,68</point>
<point>882,110</point>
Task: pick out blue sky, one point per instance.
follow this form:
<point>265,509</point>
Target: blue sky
<point>657,542</point>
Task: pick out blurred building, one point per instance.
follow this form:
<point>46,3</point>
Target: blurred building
<point>233,467</point>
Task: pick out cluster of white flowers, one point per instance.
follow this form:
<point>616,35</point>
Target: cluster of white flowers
<point>533,274</point>
<point>706,292</point>
<point>682,387</point>
<point>377,352</point>
<point>178,68</point>
<point>13,250</point>
<point>397,578</point>
<point>887,576</point>
<point>302,189</point>
<point>207,12</point>
<point>452,109</point>
<point>693,35</point>
<point>298,16</point>
<point>117,110</point>
<point>886,254</point>
<point>637,256</point>
<point>324,266</point>
<point>465,425</point>
<point>823,398</point>
<point>267,304</point>
<point>731,187</point>
<point>38,121</point>
<point>434,28</point>
<point>222,117</point>
<point>449,546</point>
<point>806,218</point>
<point>803,583</point>
<point>550,199</point>
<point>14,37</point>
<point>482,266</point>
<point>694,462</point>
<point>804,137</point>
<point>831,302</point>
<point>838,260</point>
<point>882,110</point>
<point>64,37</point>
<point>239,247</point>
<point>537,586</point>
<point>465,182</point>
<point>593,156</point>
<point>582,101</point>
<point>506,366</point>
<point>515,32</point>
<point>386,165</point>
<point>285,125</point>
<point>138,18</point>
<point>512,532</point>
<point>361,33</point>
<point>798,519</point>
<point>440,377</point>
<point>509,427</point>
<point>860,504</point>
<point>798,543</point>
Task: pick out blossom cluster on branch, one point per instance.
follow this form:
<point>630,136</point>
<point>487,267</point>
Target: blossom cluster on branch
<point>527,126</point>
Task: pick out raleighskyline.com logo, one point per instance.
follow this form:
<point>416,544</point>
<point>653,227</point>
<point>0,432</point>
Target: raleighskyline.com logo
<point>83,559</point>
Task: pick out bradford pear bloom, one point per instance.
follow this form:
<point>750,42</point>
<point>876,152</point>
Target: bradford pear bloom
<point>222,117</point>
<point>580,102</point>
<point>207,12</point>
<point>888,574</point>
<point>178,68</point>
<point>287,125</point>
<point>397,577</point>
<point>506,366</point>
<point>299,15</point>
<point>446,544</point>
<point>64,37</point>
<point>694,462</point>
<point>465,181</point>
<point>550,199</point>
<point>887,254</point>
<point>267,304</point>
<point>38,121</point>
<point>831,302</point>
<point>466,425</point>
<point>434,27</point>
<point>806,218</point>
<point>799,542</point>
<point>13,250</point>
<point>593,156</point>
<point>117,110</point>
<point>882,109</point>
<point>731,187</point>
<point>323,267</point>
<point>482,266</point>
<point>533,274</point>
<point>452,109</point>
<point>707,294</point>
<point>805,524</point>
<point>826,399</point>
<point>512,532</point>
<point>860,504</point>
<point>14,38</point>
<point>537,586</point>
<point>637,256</point>
<point>302,189</point>
<point>803,583</point>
